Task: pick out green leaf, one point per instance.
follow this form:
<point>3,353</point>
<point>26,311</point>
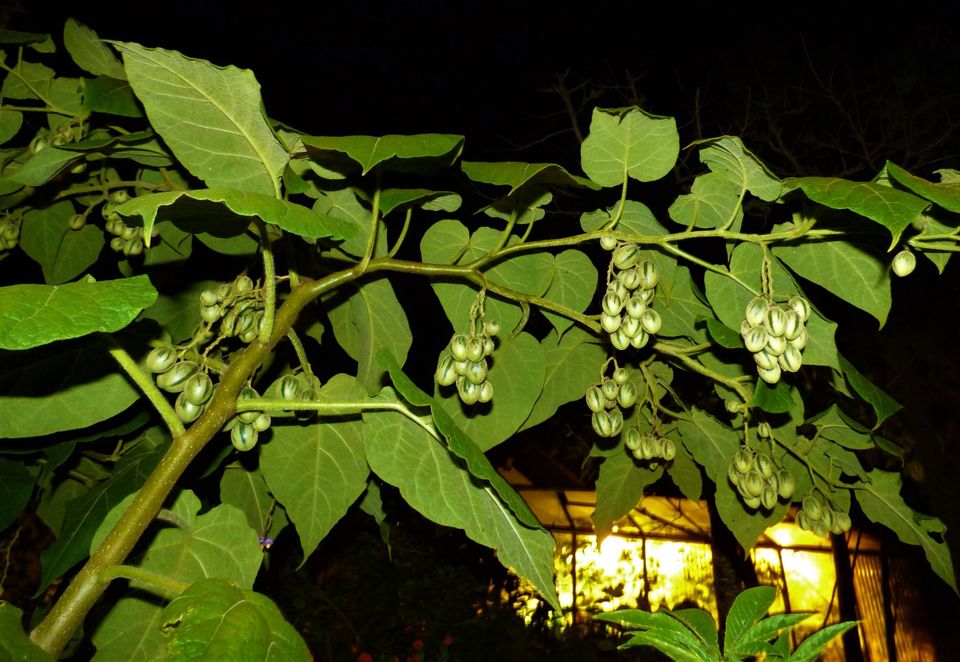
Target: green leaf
<point>775,399</point>
<point>517,374</point>
<point>749,607</point>
<point>217,544</point>
<point>727,156</point>
<point>635,219</point>
<point>27,80</point>
<point>768,628</point>
<point>448,242</point>
<point>111,96</point>
<point>288,216</point>
<point>210,117</point>
<point>67,386</point>
<point>945,193</point>
<point>711,443</point>
<point>10,123</point>
<point>836,426</point>
<point>85,514</point>
<point>746,525</point>
<point>401,198</point>
<point>20,38</point>
<point>178,312</point>
<point>247,490</point>
<point>372,505</point>
<point>371,151</point>
<point>34,315</point>
<point>458,443</point>
<point>679,647</point>
<point>318,470</point>
<point>43,166</point>
<point>572,361</point>
<point>15,644</point>
<point>847,270</point>
<point>892,209</point>
<point>214,620</point>
<point>573,284</point>
<point>16,487</point>
<point>366,319</point>
<point>723,335</point>
<point>811,647</point>
<point>89,53</point>
<point>701,624</point>
<point>620,487</point>
<point>679,301</point>
<point>883,405</point>
<point>685,474</point>
<point>517,175</point>
<point>343,205</point>
<point>713,202</point>
<point>628,142</point>
<point>438,486</point>
<point>881,502</point>
<point>63,253</point>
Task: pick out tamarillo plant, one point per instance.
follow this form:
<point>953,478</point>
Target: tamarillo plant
<point>245,254</point>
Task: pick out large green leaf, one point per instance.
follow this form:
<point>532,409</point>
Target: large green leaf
<point>836,426</point>
<point>573,284</point>
<point>573,362</point>
<point>10,123</point>
<point>217,544</point>
<point>366,319</point>
<point>517,374</point>
<point>34,315</point>
<point>847,270</point>
<point>288,216</point>
<point>813,646</point>
<point>448,242</point>
<point>318,470</point>
<point>882,503</point>
<point>31,80</point>
<point>636,219</point>
<point>458,443</point>
<point>685,474</point>
<point>215,620</point>
<point>210,117</point>
<point>945,193</point>
<point>620,487</point>
<point>43,166</point>
<point>681,305</point>
<point>111,96</point>
<point>517,174</point>
<point>86,513</point>
<point>628,142</point>
<point>371,151</point>
<point>16,486</point>
<point>892,209</point>
<point>883,405</point>
<point>63,253</point>
<point>749,607</point>
<point>67,386</point>
<point>746,525</point>
<point>713,201</point>
<point>437,485</point>
<point>247,490</point>
<point>178,312</point>
<point>727,156</point>
<point>15,644</point>
<point>343,205</point>
<point>89,53</point>
<point>403,198</point>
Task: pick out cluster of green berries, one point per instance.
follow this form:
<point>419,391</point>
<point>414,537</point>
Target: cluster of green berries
<point>9,231</point>
<point>648,446</point>
<point>245,427</point>
<point>607,398</point>
<point>758,479</point>
<point>183,377</point>
<point>238,308</point>
<point>628,315</point>
<point>464,363</point>
<point>819,518</point>
<point>776,335</point>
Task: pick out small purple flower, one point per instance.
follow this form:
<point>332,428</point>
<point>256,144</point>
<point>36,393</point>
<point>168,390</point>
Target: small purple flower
<point>265,542</point>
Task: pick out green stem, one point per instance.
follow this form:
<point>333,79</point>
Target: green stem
<point>341,408</point>
<point>403,233</point>
<point>51,107</point>
<point>620,206</point>
<point>269,282</point>
<point>374,226</point>
<point>738,207</point>
<point>168,587</point>
<point>505,235</point>
<point>300,352</point>
<point>146,384</point>
<point>706,265</point>
<point>922,245</point>
<point>106,186</point>
<point>696,366</point>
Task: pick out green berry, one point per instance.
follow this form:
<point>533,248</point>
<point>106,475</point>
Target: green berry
<point>161,359</point>
<point>904,263</point>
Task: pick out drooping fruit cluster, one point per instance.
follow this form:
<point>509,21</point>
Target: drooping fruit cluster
<point>607,398</point>
<point>464,363</point>
<point>819,518</point>
<point>775,335</point>
<point>649,446</point>
<point>237,306</point>
<point>759,480</point>
<point>245,427</point>
<point>9,231</point>
<point>193,386</point>
<point>628,314</point>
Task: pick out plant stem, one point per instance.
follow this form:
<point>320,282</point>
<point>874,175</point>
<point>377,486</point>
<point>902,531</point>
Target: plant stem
<point>149,389</point>
<point>374,226</point>
<point>168,587</point>
<point>300,352</point>
<point>403,233</point>
<point>269,283</point>
<point>699,368</point>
